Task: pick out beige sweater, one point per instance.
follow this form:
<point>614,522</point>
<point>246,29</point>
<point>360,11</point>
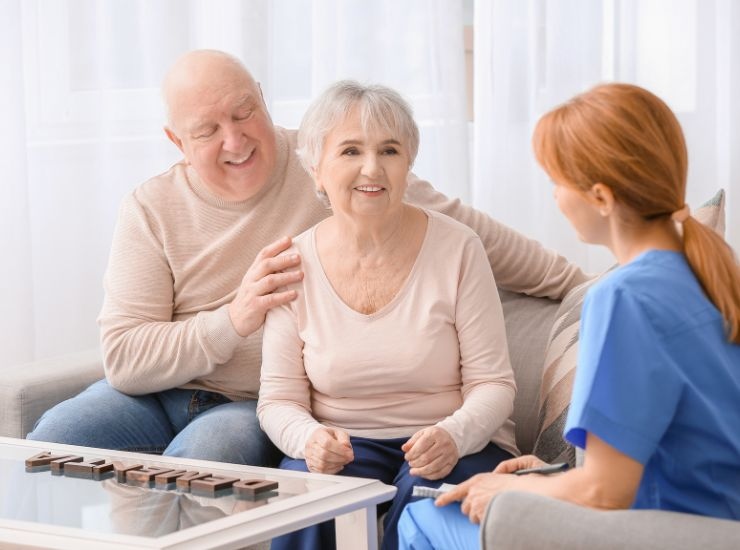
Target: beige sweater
<point>179,253</point>
<point>436,354</point>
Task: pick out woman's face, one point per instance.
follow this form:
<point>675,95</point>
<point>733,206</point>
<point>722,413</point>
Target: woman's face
<point>364,174</point>
<point>581,211</point>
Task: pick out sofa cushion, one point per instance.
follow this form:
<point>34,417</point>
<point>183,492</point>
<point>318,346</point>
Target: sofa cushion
<point>562,350</point>
<point>27,391</point>
<point>557,379</point>
<point>528,323</point>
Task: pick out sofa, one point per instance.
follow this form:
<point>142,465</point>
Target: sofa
<point>543,337</point>
<point>514,520</point>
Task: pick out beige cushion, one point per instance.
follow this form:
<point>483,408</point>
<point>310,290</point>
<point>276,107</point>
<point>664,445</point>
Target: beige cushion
<point>562,350</point>
<point>528,323</point>
<point>27,391</point>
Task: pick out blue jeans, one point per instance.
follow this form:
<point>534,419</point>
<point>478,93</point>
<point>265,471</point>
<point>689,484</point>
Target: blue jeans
<point>383,459</point>
<point>423,526</point>
<point>186,423</point>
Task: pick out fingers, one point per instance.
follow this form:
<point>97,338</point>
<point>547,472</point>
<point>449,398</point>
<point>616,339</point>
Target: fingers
<point>453,495</point>
<point>275,248</point>
<point>436,469</point>
<point>269,283</point>
<point>260,289</point>
<point>328,450</point>
<point>341,436</point>
<point>432,453</point>
<point>518,463</point>
<point>410,443</point>
<point>419,444</point>
<point>263,267</point>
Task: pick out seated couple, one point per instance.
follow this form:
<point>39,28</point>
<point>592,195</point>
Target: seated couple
<point>384,350</point>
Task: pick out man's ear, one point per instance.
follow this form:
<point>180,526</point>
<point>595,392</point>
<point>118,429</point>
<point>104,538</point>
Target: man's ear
<point>174,139</point>
<point>603,198</point>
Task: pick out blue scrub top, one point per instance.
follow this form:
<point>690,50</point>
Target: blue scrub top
<point>658,380</point>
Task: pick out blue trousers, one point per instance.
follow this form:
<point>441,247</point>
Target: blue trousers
<point>423,526</point>
<point>184,423</point>
<point>382,459</point>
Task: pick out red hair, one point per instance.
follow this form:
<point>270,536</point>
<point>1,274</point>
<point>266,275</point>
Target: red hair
<point>627,138</point>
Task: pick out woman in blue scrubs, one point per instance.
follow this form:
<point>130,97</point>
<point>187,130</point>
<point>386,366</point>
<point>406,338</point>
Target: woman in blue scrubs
<point>656,393</point>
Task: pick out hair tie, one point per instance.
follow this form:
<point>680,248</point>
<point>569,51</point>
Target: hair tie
<point>682,214</point>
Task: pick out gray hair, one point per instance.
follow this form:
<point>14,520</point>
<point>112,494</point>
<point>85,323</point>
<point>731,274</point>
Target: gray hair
<point>380,107</point>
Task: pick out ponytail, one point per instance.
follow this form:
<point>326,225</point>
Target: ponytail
<point>715,266</point>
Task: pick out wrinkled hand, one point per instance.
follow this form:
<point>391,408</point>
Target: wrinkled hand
<point>431,453</point>
<point>519,463</point>
<point>476,493</point>
<point>256,294</point>
<point>328,450</point>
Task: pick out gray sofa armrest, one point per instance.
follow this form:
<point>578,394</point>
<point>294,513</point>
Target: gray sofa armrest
<point>523,521</point>
<point>27,391</point>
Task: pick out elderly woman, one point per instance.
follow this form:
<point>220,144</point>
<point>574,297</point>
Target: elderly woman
<point>392,362</point>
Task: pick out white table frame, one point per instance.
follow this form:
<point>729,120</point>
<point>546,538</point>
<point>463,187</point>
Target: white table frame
<point>351,501</point>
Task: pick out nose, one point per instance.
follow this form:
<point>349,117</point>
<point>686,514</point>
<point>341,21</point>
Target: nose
<point>233,138</point>
<point>371,166</point>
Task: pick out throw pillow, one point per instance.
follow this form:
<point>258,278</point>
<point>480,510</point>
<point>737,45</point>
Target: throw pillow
<point>562,350</point>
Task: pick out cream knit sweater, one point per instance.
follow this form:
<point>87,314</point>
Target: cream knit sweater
<point>179,253</point>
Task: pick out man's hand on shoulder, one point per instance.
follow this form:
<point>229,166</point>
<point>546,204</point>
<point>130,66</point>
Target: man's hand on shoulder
<point>257,292</point>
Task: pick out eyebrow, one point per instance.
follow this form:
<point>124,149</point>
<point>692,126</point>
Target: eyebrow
<point>360,142</point>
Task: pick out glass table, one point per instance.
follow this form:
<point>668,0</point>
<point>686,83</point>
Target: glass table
<point>55,509</point>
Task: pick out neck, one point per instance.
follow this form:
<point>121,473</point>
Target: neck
<point>631,238</point>
<point>370,235</point>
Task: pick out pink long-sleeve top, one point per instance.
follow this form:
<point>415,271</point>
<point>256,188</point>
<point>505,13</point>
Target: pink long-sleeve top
<point>435,355</point>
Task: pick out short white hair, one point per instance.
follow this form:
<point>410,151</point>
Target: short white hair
<point>380,107</point>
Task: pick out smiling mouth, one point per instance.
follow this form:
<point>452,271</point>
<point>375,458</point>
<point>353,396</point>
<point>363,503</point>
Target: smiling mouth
<point>242,160</point>
<point>369,188</point>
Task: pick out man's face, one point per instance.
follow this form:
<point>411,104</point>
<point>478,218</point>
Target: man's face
<point>226,134</point>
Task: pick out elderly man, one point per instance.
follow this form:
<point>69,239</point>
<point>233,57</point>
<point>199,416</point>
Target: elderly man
<point>193,270</point>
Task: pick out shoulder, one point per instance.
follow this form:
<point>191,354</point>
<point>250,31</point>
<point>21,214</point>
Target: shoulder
<point>659,286</point>
<point>158,194</point>
<point>303,245</point>
<point>288,135</point>
<point>447,228</point>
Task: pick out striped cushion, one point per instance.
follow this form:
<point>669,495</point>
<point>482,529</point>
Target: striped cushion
<point>562,350</point>
<point>557,379</point>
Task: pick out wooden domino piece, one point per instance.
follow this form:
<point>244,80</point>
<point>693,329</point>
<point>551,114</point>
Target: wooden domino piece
<point>99,471</point>
<point>168,477</point>
<point>57,466</point>
<point>253,487</point>
<point>183,482</point>
<point>82,469</point>
<point>144,476</point>
<point>211,484</point>
<point>121,470</point>
<point>42,459</point>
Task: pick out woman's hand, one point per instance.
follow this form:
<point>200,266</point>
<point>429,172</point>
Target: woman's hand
<point>476,493</point>
<point>431,453</point>
<point>519,463</point>
<point>328,450</point>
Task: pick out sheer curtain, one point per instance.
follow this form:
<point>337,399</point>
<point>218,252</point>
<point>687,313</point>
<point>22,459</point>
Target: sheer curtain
<point>532,55</point>
<point>82,121</point>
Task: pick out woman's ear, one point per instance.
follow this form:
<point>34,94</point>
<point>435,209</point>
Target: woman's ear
<point>603,197</point>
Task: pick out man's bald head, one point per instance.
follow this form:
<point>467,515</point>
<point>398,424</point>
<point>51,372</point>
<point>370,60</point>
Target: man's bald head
<point>216,116</point>
<point>200,71</point>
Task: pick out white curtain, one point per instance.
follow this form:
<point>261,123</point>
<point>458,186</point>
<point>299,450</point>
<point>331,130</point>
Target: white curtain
<point>82,121</point>
<point>532,55</point>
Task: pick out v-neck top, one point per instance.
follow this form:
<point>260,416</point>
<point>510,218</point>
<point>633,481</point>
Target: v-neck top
<point>331,291</point>
<point>435,354</point>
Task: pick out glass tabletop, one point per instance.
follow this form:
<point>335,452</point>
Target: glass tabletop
<point>108,506</point>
